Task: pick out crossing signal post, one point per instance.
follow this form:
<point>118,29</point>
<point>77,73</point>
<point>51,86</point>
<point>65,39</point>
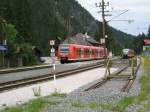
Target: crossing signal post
<point>52,55</point>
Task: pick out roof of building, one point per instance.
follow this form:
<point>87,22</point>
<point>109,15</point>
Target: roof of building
<point>147,41</point>
<point>81,39</point>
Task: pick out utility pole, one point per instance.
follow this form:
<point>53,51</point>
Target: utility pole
<point>103,7</point>
<point>103,17</point>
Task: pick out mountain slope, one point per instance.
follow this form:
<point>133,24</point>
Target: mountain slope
<point>39,21</point>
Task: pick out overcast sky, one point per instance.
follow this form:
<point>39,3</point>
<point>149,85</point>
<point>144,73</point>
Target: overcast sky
<point>139,11</point>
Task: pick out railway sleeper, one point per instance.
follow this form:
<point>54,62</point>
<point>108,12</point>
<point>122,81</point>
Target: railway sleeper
<point>119,76</point>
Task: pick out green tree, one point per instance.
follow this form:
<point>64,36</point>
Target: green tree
<point>148,34</point>
<point>17,48</point>
<point>11,33</point>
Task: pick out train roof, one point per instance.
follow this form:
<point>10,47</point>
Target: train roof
<point>79,45</point>
<point>126,49</point>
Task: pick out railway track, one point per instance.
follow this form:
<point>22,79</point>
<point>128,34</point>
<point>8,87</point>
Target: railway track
<point>115,76</point>
<point>97,85</point>
<point>23,82</point>
<point>14,70</point>
<point>130,81</point>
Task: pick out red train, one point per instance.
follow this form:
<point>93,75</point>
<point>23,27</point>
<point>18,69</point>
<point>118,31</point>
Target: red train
<point>74,52</point>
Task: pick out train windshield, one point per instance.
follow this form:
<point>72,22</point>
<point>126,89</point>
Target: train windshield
<point>125,51</point>
<point>64,49</point>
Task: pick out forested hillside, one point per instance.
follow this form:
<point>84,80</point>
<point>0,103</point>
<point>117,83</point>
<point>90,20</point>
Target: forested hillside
<point>38,21</point>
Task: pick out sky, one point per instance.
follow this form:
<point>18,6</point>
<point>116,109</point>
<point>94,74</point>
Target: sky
<point>138,12</point>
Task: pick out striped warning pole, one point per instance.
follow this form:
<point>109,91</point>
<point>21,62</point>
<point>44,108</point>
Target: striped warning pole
<point>54,70</point>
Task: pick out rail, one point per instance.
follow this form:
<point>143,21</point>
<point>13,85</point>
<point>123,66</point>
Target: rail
<point>18,83</point>
<point>132,78</point>
<point>129,78</point>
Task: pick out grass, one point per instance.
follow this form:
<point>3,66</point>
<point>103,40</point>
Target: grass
<point>33,106</point>
<point>36,105</point>
<point>37,91</point>
<point>93,105</point>
<point>57,94</point>
<point>78,104</point>
<point>142,97</point>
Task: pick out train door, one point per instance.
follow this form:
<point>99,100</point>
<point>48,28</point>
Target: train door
<point>82,52</point>
<point>73,52</point>
<point>98,52</point>
<point>90,52</point>
<point>101,53</point>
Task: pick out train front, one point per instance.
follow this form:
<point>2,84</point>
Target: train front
<point>125,53</point>
<point>63,52</point>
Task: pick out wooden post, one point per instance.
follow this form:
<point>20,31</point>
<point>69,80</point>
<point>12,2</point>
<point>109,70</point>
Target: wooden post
<point>107,69</point>
<point>109,66</point>
<point>132,67</point>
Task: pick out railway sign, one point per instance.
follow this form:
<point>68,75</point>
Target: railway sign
<point>52,52</point>
<point>52,42</point>
<point>102,41</point>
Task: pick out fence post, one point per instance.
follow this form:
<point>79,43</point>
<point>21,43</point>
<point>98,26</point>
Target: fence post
<point>132,67</point>
<point>107,68</point>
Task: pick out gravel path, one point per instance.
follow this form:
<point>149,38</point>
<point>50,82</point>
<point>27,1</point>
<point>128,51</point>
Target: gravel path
<point>110,92</point>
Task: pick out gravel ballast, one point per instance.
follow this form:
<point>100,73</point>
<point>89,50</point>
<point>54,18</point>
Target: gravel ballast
<point>109,92</point>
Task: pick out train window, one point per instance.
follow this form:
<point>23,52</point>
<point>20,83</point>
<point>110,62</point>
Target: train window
<point>93,52</point>
<point>78,51</point>
<point>96,52</point>
<point>101,52</point>
<point>87,52</point>
<point>64,48</point>
<point>90,51</point>
<point>125,51</point>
